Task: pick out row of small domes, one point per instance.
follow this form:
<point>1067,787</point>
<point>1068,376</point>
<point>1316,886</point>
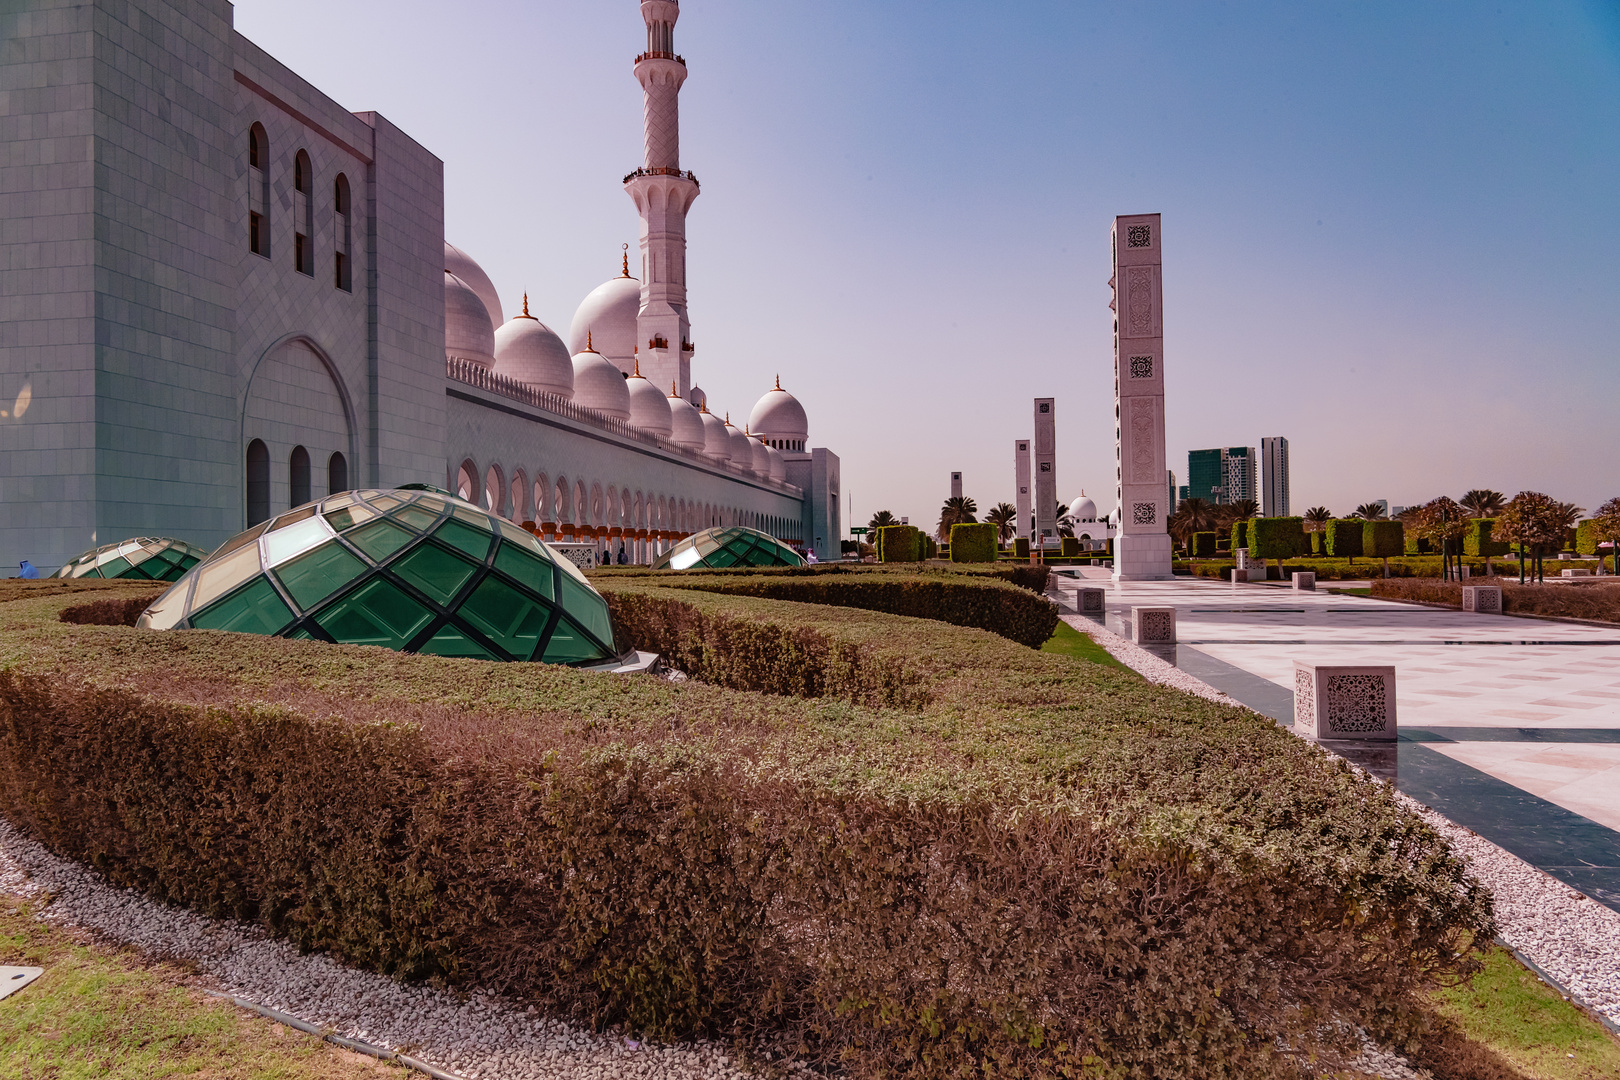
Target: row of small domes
<point>528,351</point>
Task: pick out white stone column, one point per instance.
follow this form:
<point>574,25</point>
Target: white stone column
<point>1142,547</point>
<point>1045,470</point>
<point>1021,481</point>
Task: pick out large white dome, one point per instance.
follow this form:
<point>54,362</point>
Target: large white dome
<point>468,334</point>
<point>716,439</point>
<point>762,455</point>
<point>1083,509</point>
<point>461,264</point>
<point>742,447</point>
<point>529,351</point>
<point>649,408</point>
<point>778,463</point>
<point>599,385</point>
<point>686,423</point>
<point>608,317</point>
<point>779,419</point>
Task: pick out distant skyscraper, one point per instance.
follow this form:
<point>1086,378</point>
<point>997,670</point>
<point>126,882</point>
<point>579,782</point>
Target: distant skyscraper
<point>1274,501</point>
<point>1170,482</point>
<point>1223,475</point>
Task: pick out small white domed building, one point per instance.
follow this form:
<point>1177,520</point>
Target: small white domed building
<point>607,317</point>
<point>528,351</point>
<point>716,439</point>
<point>686,423</point>
<point>649,408</point>
<point>461,264</point>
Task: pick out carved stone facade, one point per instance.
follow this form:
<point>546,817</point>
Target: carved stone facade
<point>1344,702</point>
<point>1142,548</point>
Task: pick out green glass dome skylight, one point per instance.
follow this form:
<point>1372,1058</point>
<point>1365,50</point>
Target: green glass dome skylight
<point>144,558</point>
<point>729,545</point>
<point>414,570</point>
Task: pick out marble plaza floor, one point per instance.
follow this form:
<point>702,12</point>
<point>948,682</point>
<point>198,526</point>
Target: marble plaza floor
<point>1509,726</point>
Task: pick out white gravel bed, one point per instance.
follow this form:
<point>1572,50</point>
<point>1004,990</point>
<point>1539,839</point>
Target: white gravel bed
<point>1566,933</point>
<point>477,1037</point>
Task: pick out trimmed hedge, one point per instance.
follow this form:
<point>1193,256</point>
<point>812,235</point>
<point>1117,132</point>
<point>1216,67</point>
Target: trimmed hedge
<point>1383,539</point>
<point>1599,602</point>
<point>1203,545</point>
<point>1020,547</point>
<point>898,543</point>
<point>1240,535</point>
<point>1017,614</point>
<point>1277,538</point>
<point>1344,537</point>
<point>1478,543</point>
<point>973,543</point>
<point>1052,868</point>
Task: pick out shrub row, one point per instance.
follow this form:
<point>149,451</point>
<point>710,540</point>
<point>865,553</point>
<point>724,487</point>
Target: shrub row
<point>1600,602</point>
<point>1034,578</point>
<point>973,543</point>
<point>1049,868</point>
<point>985,603</point>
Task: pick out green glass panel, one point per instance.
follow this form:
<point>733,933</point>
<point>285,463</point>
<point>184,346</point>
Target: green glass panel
<point>315,575</point>
<point>114,568</point>
<point>256,609</point>
<point>380,539</point>
<point>722,557</point>
<point>512,618</point>
<point>569,645</point>
<point>301,635</point>
<point>188,561</point>
<point>435,571</point>
<point>525,568</point>
<point>474,542</point>
<point>452,641</point>
<point>418,517</point>
<point>586,607</point>
<point>524,539</point>
<point>377,613</point>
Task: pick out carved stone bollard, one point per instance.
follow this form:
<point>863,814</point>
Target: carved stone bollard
<point>1153,625</point>
<point>1482,599</point>
<point>1090,601</point>
<point>1305,580</point>
<point>1240,575</point>
<point>1344,702</point>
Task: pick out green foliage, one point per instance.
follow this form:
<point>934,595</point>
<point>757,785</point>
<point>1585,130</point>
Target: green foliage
<point>1418,545</point>
<point>1477,540</point>
<point>973,543</point>
<point>1240,535</point>
<point>1069,547</point>
<point>1203,545</point>
<point>1382,538</point>
<point>1344,537</point>
<point>963,857</point>
<point>898,543</point>
<point>1277,538</point>
<point>1021,547</point>
<point>927,546</point>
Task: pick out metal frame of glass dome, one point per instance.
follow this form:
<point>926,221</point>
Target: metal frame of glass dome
<point>143,558</point>
<point>412,570</point>
<point>728,545</point>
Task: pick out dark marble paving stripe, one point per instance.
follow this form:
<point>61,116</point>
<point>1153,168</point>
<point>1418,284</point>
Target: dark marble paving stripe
<point>1511,734</point>
<point>1385,641</point>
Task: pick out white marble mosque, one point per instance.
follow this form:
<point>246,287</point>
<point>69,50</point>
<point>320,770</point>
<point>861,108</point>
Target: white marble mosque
<point>221,294</point>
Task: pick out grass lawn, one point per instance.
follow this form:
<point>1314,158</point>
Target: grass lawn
<point>1528,1024</point>
<point>100,1013</point>
<point>1067,641</point>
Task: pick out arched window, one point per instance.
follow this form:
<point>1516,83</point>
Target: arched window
<point>520,497</point>
<point>298,474</point>
<point>495,491</point>
<point>258,482</point>
<point>303,216</point>
<point>341,271</point>
<point>258,191</point>
<point>564,507</point>
<point>467,481</point>
<point>542,499</point>
<point>337,474</point>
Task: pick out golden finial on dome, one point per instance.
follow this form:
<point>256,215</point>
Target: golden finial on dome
<point>638,366</point>
<point>588,347</point>
<point>526,314</point>
<point>625,268</point>
<point>779,382</point>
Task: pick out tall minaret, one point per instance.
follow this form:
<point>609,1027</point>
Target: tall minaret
<point>662,194</point>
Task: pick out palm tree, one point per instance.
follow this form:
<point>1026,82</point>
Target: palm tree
<point>1005,518</point>
<point>1371,512</point>
<point>1483,502</point>
<point>1316,521</point>
<point>1193,515</point>
<point>958,510</point>
<point>881,519</point>
<point>1065,523</point>
<point>1228,513</point>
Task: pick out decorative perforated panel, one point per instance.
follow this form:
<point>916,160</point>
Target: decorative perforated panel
<point>1354,704</point>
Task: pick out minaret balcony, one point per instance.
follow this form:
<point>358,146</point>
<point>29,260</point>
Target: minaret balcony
<point>660,55</point>
<point>660,171</point>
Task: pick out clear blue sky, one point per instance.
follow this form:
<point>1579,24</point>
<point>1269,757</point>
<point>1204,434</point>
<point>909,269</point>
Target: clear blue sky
<point>1392,230</point>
